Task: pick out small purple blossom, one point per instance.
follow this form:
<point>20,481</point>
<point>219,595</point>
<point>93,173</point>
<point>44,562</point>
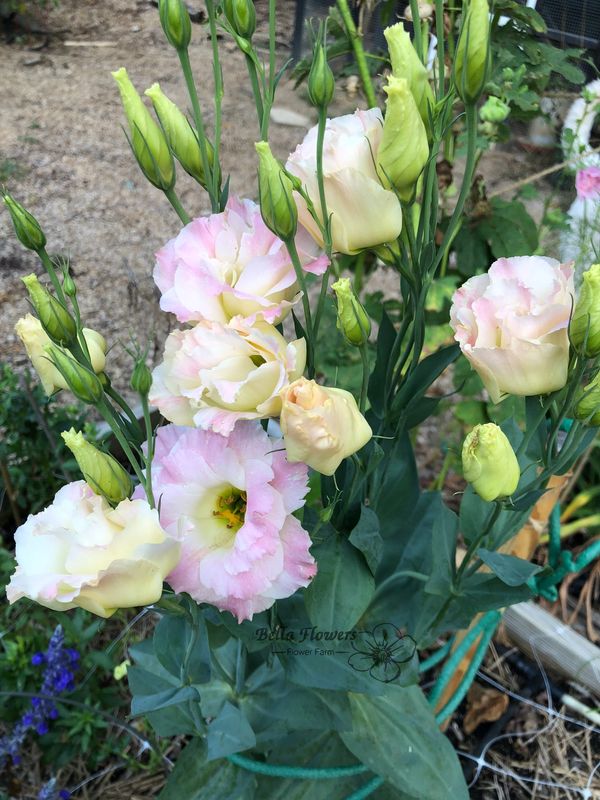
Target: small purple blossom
<point>49,791</point>
<point>58,677</point>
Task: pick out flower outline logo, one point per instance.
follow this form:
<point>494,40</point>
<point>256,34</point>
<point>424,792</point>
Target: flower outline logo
<point>382,652</point>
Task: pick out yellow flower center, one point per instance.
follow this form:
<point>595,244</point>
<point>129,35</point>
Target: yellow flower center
<point>231,508</point>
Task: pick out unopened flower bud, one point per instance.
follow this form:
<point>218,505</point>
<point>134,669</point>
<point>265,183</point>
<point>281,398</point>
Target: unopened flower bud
<point>141,378</point>
<point>588,405</point>
<point>472,52</point>
<point>321,83</point>
<point>489,462</point>
<point>352,319</point>
<point>277,204</point>
<point>585,322</point>
<point>182,138</point>
<point>25,224</point>
<point>55,318</point>
<point>84,383</point>
<point>68,286</point>
<point>147,139</point>
<point>407,64</point>
<point>103,473</point>
<point>403,151</point>
<point>494,110</point>
<point>176,24</point>
<point>241,15</point>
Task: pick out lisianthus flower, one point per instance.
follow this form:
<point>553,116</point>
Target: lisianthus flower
<point>230,502</point>
<point>214,374</point>
<point>230,264</point>
<point>363,213</point>
<point>81,552</point>
<point>587,183</point>
<point>512,324</point>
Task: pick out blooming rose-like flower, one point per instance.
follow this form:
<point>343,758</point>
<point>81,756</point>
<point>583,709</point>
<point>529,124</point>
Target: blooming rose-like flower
<point>587,183</point>
<point>214,374</point>
<point>230,264</point>
<point>363,213</point>
<point>512,325</point>
<point>81,552</point>
<point>34,337</point>
<point>321,426</point>
<point>230,501</point>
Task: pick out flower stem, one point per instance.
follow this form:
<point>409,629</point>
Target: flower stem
<point>364,354</point>
<point>109,416</point>
<point>359,53</point>
<point>174,200</point>
<point>150,449</point>
<point>218,99</point>
<point>293,251</point>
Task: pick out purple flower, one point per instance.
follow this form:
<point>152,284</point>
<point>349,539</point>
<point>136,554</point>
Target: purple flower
<point>37,659</point>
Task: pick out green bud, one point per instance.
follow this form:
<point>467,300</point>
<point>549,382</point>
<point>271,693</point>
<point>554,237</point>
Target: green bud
<point>141,378</point>
<point>277,204</point>
<point>321,83</point>
<point>407,64</point>
<point>175,21</point>
<point>148,142</point>
<point>389,253</point>
<point>84,383</point>
<point>103,473</point>
<point>182,138</point>
<point>585,322</point>
<point>404,150</point>
<point>494,110</point>
<point>352,319</point>
<point>489,462</point>
<point>241,15</point>
<point>55,318</point>
<point>68,285</point>
<point>471,63</point>
<point>588,403</point>
<point>26,226</point>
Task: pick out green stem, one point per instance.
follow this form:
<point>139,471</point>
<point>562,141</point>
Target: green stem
<point>326,222</point>
<point>186,68</point>
<point>258,102</point>
<point>218,99</point>
<point>359,53</point>
<point>49,267</point>
<point>321,302</point>
<point>471,117</point>
<point>418,33</point>
<point>109,416</point>
<point>174,200</point>
<point>439,32</point>
<point>301,278</point>
<point>122,403</point>
<point>364,354</point>
<point>150,449</point>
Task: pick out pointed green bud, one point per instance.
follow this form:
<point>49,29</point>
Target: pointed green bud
<point>277,204</point>
<point>68,285</point>
<point>494,110</point>
<point>489,462</point>
<point>321,83</point>
<point>176,24</point>
<point>147,139</point>
<point>103,474</point>
<point>55,318</point>
<point>241,15</point>
<point>472,59</point>
<point>25,224</point>
<point>141,378</point>
<point>407,64</point>
<point>352,319</point>
<point>182,138</point>
<point>84,383</point>
<point>588,403</point>
<point>585,322</point>
<point>404,150</point>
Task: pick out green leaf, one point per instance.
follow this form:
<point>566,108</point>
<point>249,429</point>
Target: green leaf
<point>511,570</point>
<point>397,737</point>
<point>143,703</point>
<point>229,733</point>
<point>472,250</point>
<point>509,229</point>
<point>342,588</point>
<point>471,412</point>
<point>366,537</point>
<point>377,381</point>
<point>443,545</point>
<point>175,642</point>
<point>426,372</point>
<point>193,778</point>
<point>528,16</point>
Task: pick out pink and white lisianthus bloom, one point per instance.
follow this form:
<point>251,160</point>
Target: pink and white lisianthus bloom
<point>587,183</point>
<point>213,375</point>
<point>230,264</point>
<point>512,324</point>
<point>230,502</point>
<point>81,552</point>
